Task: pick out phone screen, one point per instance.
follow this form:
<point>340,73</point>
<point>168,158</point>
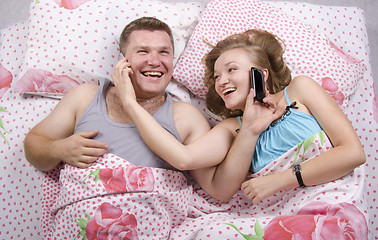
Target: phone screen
<point>258,83</point>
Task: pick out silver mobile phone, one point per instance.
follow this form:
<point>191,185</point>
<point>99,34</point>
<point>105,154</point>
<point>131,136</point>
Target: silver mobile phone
<point>120,56</point>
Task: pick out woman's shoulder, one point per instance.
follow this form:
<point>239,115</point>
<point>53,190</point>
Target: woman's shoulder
<point>302,85</point>
<point>301,79</point>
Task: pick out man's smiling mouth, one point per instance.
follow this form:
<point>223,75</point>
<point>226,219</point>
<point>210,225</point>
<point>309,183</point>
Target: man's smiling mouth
<point>152,74</point>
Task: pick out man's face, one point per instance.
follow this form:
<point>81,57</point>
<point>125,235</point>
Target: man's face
<point>150,54</point>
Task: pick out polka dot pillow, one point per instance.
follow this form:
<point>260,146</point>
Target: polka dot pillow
<point>307,51</point>
<point>72,42</point>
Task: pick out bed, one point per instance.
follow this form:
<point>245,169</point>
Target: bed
<point>66,43</point>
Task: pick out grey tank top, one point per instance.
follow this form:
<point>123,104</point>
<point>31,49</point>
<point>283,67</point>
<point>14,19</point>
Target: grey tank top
<point>124,140</point>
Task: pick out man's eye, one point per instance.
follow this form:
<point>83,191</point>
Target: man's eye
<point>165,52</point>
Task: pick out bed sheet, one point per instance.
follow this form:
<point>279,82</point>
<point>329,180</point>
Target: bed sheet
<point>21,183</point>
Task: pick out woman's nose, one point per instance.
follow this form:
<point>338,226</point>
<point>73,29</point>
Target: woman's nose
<point>223,80</point>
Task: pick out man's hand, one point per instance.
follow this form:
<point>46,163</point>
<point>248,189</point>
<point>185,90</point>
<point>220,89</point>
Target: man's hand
<point>80,150</point>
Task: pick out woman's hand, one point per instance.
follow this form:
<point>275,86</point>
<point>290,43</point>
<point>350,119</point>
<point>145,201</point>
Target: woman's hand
<point>122,81</point>
<point>257,189</point>
<point>258,116</point>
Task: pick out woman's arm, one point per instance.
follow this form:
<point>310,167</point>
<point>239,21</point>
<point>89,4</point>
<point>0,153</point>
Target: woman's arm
<point>199,148</point>
<point>194,152</point>
<point>224,180</point>
<point>346,154</point>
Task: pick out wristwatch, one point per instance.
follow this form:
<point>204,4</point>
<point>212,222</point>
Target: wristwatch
<point>297,171</point>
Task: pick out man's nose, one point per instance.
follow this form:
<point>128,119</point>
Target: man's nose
<point>154,59</point>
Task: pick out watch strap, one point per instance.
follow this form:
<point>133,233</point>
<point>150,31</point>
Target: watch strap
<point>297,172</point>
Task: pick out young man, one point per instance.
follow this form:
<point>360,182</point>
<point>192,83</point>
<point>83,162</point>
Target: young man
<point>90,120</point>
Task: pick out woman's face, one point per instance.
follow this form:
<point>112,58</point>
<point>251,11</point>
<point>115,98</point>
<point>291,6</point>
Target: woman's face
<point>232,77</point>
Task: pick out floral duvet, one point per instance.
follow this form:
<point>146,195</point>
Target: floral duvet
<point>114,199</point>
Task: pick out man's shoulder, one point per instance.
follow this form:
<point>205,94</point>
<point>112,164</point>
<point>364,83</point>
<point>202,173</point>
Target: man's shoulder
<point>188,114</point>
<point>86,87</point>
<point>80,94</point>
<point>82,90</point>
<point>184,108</point>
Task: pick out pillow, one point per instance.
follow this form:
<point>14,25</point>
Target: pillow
<point>6,78</point>
<point>307,52</point>
<point>73,42</point>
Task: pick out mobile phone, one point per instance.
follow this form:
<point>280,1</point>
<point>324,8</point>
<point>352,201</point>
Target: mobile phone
<point>120,56</point>
<point>258,83</point>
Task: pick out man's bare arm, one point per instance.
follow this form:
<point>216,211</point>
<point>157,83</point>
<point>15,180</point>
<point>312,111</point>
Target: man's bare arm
<point>53,141</point>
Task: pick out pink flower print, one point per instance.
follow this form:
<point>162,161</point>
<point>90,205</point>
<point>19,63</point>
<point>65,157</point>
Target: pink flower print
<point>319,221</point>
<point>332,88</point>
<point>38,80</point>
<point>113,179</point>
<point>140,179</point>
<point>307,227</point>
<point>70,4</point>
<point>6,78</point>
<point>353,220</point>
<point>127,179</point>
<point>110,222</point>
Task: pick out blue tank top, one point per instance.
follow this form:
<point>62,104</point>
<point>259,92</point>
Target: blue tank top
<point>291,129</point>
<point>124,140</point>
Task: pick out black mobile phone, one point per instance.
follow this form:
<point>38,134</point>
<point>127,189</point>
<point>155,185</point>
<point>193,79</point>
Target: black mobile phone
<point>258,83</point>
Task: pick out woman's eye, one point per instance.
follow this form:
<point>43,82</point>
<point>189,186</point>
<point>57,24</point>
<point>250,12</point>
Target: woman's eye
<point>231,69</point>
<point>216,78</point>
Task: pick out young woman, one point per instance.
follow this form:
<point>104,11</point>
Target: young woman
<point>257,133</point>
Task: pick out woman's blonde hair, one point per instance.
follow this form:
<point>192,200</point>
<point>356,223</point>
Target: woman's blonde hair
<point>265,51</point>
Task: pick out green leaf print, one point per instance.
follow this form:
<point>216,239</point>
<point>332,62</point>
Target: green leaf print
<point>95,173</point>
<point>258,230</point>
<point>307,144</point>
<point>2,109</point>
<point>82,222</point>
<point>297,154</point>
<point>322,137</point>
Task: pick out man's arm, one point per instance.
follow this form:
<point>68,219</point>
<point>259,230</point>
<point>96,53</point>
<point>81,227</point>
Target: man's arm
<point>53,141</point>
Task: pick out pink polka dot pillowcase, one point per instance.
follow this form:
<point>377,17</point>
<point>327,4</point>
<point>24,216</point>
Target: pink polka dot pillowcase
<point>307,51</point>
<point>71,42</point>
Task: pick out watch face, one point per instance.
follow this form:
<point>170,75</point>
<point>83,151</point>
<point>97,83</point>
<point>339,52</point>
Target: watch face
<point>297,168</point>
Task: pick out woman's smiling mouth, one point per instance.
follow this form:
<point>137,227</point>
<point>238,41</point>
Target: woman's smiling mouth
<point>227,91</point>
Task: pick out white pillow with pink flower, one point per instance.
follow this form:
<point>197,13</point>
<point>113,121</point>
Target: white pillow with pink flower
<point>6,78</point>
<point>72,42</point>
<point>307,52</point>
